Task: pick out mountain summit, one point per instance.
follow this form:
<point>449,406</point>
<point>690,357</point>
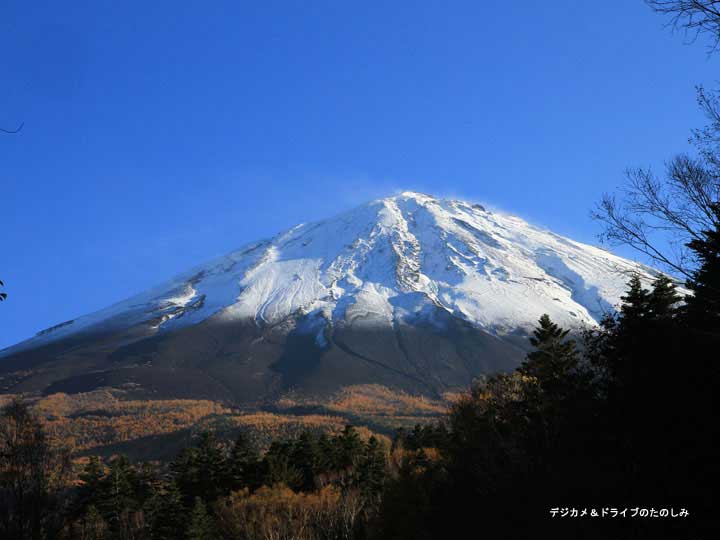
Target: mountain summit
<point>410,291</point>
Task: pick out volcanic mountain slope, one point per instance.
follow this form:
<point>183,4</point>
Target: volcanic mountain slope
<point>411,292</point>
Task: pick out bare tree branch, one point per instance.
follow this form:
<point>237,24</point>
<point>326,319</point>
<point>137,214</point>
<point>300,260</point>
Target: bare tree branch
<point>693,17</point>
<point>658,217</point>
<point>623,228</point>
<point>12,131</point>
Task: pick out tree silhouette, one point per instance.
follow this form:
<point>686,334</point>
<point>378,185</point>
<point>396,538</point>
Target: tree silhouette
<point>201,525</point>
<point>660,216</point>
<point>554,356</point>
<point>31,473</point>
<point>694,17</point>
<point>703,307</point>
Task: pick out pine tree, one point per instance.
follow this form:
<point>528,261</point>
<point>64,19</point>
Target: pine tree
<point>306,457</point>
<point>145,482</point>
<point>416,438</point>
<point>116,497</point>
<point>328,458</point>
<point>93,525</point>
<point>703,307</point>
<point>242,464</point>
<point>349,447</point>
<point>278,466</point>
<point>400,439</point>
<point>637,343</point>
<point>554,357</point>
<point>166,515</point>
<point>635,303</point>
<point>628,363</point>
<point>201,471</point>
<point>92,477</point>
<point>201,525</point>
<point>551,402</point>
<point>663,298</point>
<point>372,468</point>
<point>213,465</point>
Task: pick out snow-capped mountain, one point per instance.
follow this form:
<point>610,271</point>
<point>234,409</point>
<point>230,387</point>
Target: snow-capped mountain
<point>409,263</point>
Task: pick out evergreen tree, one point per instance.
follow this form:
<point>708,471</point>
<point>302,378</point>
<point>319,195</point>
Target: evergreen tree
<point>279,468</point>
<point>640,350</point>
<point>93,525</point>
<point>116,498</point>
<point>213,465</point>
<point>349,447</point>
<point>417,437</point>
<point>201,524</point>
<point>635,302</point>
<point>92,477</point>
<point>703,307</point>
<point>663,298</point>
<point>554,359</point>
<point>166,515</point>
<point>328,455</point>
<point>399,441</point>
<point>145,483</point>
<point>636,343</point>
<point>627,342</point>
<point>201,471</point>
<point>372,468</point>
<point>306,457</point>
<point>242,464</point>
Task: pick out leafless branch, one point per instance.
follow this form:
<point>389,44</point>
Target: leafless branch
<point>623,227</point>
<point>693,17</point>
<point>11,131</point>
<point>658,217</point>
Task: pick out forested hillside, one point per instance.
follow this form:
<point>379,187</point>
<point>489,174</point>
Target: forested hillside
<point>607,433</point>
<point>627,423</point>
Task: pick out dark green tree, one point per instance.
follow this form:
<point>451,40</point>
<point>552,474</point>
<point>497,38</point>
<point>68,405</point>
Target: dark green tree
<point>625,346</point>
<point>92,525</point>
<point>664,298</point>
<point>554,359</point>
<point>116,497</point>
<point>372,469</point>
<point>349,448</point>
<point>92,477</point>
<point>201,524</point>
<point>242,466</point>
<point>278,466</point>
<point>213,463</point>
<point>703,306</point>
<point>637,340</point>
<point>635,302</point>
<point>201,471</point>
<point>306,457</point>
<point>166,514</point>
<point>327,453</point>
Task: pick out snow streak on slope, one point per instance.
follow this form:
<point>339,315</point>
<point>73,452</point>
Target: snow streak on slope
<point>388,260</point>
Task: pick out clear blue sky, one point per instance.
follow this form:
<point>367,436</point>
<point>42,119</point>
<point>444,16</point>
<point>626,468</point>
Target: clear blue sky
<point>161,134</point>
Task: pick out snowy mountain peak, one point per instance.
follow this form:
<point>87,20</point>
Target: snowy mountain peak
<point>390,261</point>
